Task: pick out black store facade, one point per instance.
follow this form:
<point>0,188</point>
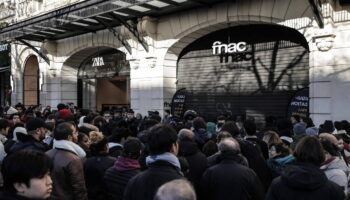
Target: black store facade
<point>108,72</point>
<point>250,71</point>
<point>5,74</point>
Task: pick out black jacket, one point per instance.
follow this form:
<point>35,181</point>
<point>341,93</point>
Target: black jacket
<point>94,169</point>
<point>116,181</point>
<point>144,186</point>
<point>263,146</point>
<point>10,196</point>
<point>29,142</point>
<point>230,180</point>
<point>196,160</point>
<point>304,182</point>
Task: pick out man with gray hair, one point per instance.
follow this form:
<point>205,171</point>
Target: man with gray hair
<point>197,161</point>
<point>179,189</point>
<point>229,179</point>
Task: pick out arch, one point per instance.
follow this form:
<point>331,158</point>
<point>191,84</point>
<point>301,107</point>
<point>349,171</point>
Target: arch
<point>31,81</point>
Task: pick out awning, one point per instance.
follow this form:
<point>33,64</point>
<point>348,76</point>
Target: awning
<point>91,16</point>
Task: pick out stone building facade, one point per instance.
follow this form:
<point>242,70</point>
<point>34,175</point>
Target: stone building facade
<point>152,78</point>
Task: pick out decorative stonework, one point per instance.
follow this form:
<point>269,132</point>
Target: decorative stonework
<point>7,9</point>
<point>324,42</point>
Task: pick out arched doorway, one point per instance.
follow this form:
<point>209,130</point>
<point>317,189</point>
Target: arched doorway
<point>96,78</point>
<point>249,71</point>
<point>31,82</point>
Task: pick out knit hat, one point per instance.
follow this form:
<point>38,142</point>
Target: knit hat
<point>299,128</point>
<point>312,131</point>
<point>65,113</point>
<point>11,111</point>
<point>19,130</point>
<point>35,123</point>
<point>328,127</point>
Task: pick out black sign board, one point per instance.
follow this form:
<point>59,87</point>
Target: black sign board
<point>107,63</point>
<point>299,104</point>
<point>178,103</point>
<point>5,59</point>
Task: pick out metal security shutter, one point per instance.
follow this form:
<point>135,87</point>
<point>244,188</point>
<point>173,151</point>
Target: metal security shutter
<point>256,87</point>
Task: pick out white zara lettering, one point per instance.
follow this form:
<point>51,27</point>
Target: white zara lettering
<point>97,62</point>
<point>219,48</point>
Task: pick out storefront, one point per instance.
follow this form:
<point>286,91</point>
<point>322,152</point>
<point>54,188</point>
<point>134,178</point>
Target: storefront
<point>251,71</point>
<point>5,74</point>
<point>103,80</point>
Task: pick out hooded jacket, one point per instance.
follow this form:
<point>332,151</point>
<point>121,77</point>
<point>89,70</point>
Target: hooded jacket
<point>337,172</point>
<point>304,181</point>
<point>277,165</point>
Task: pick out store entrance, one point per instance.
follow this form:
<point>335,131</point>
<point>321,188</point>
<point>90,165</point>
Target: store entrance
<point>249,71</point>
<point>103,81</point>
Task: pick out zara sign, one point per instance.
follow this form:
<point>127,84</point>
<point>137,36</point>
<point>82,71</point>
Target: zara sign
<point>219,48</point>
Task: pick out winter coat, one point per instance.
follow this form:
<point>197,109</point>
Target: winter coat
<point>214,159</point>
<point>29,142</point>
<point>228,180</point>
<point>117,177</point>
<point>278,164</point>
<point>263,146</point>
<point>144,185</point>
<point>94,169</point>
<point>201,136</point>
<point>256,161</point>
<point>336,171</point>
<point>10,196</point>
<point>67,176</point>
<point>86,128</point>
<point>196,160</point>
<point>304,181</point>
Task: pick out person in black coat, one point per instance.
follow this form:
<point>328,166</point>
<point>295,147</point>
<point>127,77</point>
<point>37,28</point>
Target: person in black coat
<point>95,167</point>
<point>196,159</point>
<point>305,179</point>
<point>127,166</point>
<point>163,165</point>
<point>116,140</point>
<point>229,179</point>
<point>250,129</point>
<point>252,152</point>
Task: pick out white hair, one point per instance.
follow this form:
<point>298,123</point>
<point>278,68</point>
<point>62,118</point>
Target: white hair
<point>178,189</point>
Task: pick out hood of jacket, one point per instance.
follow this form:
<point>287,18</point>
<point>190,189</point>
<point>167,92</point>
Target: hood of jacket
<point>90,126</point>
<point>285,160</point>
<point>337,163</point>
<point>187,148</point>
<point>303,176</point>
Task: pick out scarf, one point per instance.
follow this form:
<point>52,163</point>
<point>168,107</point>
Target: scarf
<point>125,164</point>
<point>70,146</point>
<point>168,157</point>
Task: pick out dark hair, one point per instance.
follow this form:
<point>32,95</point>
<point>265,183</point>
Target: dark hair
<point>99,120</point>
<point>328,146</point>
<point>156,118</point>
<point>281,148</point>
<point>81,137</point>
<point>132,148</point>
<point>250,127</point>
<point>309,150</point>
<point>63,130</point>
<point>61,106</point>
<point>118,134</point>
<point>210,148</point>
<point>161,138</point>
<point>296,117</point>
<point>338,125</point>
<point>98,147</point>
<point>230,127</point>
<point>309,122</point>
<point>3,124</point>
<point>199,123</point>
<point>24,165</point>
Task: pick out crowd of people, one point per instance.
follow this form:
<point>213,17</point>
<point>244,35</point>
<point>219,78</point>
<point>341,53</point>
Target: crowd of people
<point>77,154</point>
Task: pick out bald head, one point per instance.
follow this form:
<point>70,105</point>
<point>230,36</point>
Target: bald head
<point>229,144</point>
<point>178,189</point>
<point>186,134</point>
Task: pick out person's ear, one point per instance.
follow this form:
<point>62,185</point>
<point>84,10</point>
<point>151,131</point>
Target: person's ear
<point>20,187</point>
<point>70,138</point>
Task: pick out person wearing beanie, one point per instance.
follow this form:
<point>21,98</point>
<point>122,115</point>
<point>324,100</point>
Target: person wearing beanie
<point>299,130</point>
<point>64,114</point>
<point>36,132</point>
<point>328,127</point>
<point>126,167</point>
